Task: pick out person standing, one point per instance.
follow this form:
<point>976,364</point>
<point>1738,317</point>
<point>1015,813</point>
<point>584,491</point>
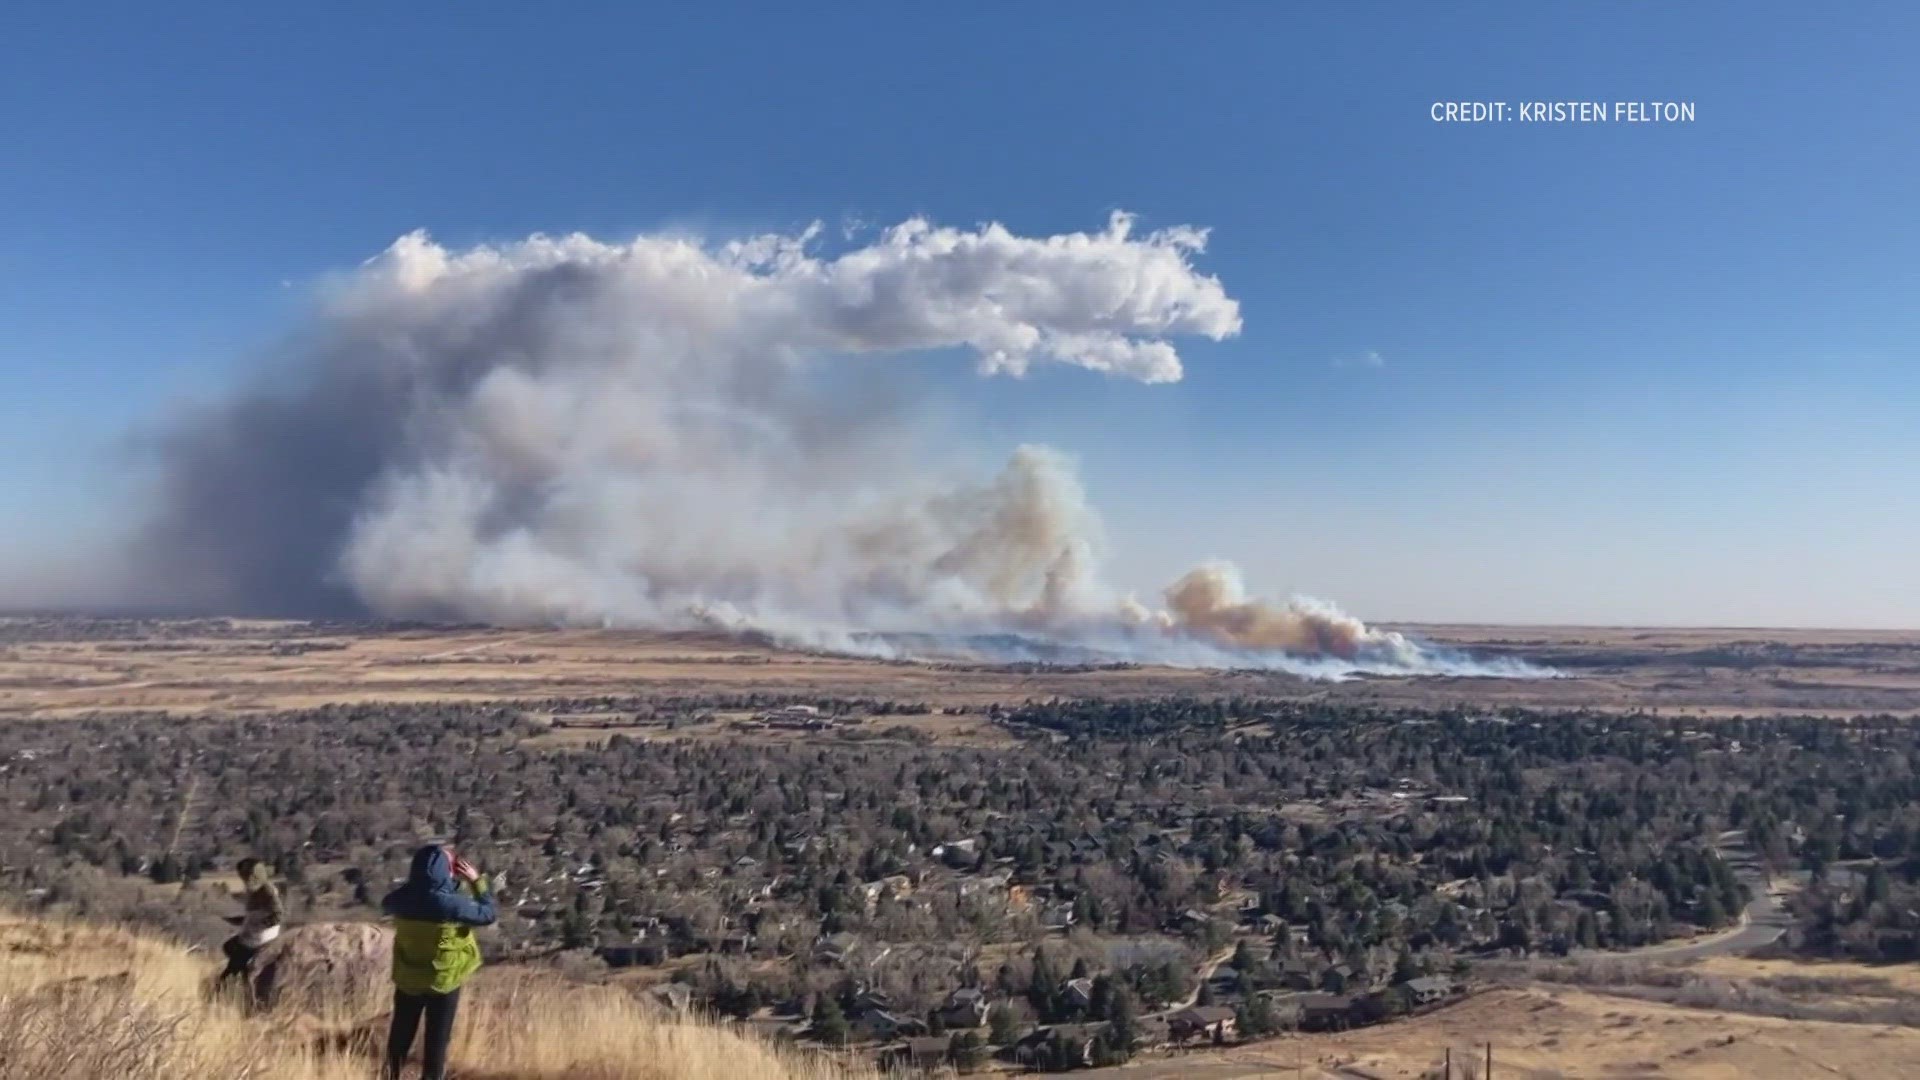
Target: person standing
<point>259,925</point>
<point>434,952</point>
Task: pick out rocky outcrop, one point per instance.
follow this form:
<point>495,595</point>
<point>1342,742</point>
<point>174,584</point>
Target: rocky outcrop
<point>325,969</point>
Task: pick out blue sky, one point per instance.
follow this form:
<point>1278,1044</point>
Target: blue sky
<point>1626,373</point>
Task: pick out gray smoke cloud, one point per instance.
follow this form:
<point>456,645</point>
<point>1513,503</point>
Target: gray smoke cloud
<point>667,433</point>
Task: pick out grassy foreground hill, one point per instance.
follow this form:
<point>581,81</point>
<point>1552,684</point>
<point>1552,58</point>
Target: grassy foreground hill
<point>87,1002</point>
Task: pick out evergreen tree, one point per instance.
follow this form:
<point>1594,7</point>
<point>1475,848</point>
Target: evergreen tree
<point>829,1023</point>
<point>1003,1025</point>
<point>1101,1000</point>
<point>1405,968</point>
<point>967,1051</point>
<point>1121,1023</point>
<point>1711,913</point>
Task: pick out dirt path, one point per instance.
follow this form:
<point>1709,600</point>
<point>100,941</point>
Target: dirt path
<point>1207,967</point>
<point>186,814</point>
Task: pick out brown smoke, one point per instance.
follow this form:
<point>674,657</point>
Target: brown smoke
<point>1209,602</point>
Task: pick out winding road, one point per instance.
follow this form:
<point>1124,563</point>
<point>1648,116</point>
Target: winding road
<point>1762,921</point>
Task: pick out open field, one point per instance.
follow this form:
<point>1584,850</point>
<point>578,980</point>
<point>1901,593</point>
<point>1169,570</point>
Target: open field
<point>51,667</point>
<point>1553,1032</point>
<point>1720,1017</point>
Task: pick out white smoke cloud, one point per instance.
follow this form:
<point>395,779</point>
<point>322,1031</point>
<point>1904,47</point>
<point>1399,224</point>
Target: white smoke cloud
<point>664,433</point>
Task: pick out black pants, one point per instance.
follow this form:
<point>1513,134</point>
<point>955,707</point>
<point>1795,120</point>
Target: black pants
<point>407,1009</point>
<point>239,957</point>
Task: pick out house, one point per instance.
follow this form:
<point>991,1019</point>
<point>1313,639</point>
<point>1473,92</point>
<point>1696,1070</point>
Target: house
<point>880,1025</point>
<point>1057,916</point>
<point>984,883</point>
<point>797,717</point>
<point>634,955</point>
<point>958,854</point>
<point>922,1052</point>
<point>1191,919</point>
<point>1029,1049</point>
<point>1226,979</point>
<point>965,1008</point>
<point>1212,1022</point>
<point>1079,993</point>
<point>1298,975</point>
<point>1429,989</point>
<point>1067,1046</point>
<point>1325,1012</point>
<point>836,948</point>
<point>1338,979</point>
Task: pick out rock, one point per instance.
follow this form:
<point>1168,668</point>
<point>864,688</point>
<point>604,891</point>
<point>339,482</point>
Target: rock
<point>325,969</point>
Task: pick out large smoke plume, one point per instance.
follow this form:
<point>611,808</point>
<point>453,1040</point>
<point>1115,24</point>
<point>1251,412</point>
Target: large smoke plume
<point>666,433</point>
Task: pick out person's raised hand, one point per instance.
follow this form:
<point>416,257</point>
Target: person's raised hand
<point>464,870</point>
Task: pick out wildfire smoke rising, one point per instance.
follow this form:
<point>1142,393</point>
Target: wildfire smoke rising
<point>652,434</point>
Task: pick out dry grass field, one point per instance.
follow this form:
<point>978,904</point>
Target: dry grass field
<point>258,666</point>
<point>1885,981</point>
<point>1557,1032</point>
<point>82,1002</point>
<point>1719,1018</point>
<point>241,672</point>
<point>1704,671</point>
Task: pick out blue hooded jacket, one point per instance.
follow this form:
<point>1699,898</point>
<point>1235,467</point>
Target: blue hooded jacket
<point>433,947</point>
<point>432,895</point>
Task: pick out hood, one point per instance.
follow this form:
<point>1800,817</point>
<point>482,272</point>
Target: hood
<point>431,869</point>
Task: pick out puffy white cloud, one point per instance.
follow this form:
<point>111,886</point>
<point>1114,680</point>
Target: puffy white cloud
<point>1104,301</point>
